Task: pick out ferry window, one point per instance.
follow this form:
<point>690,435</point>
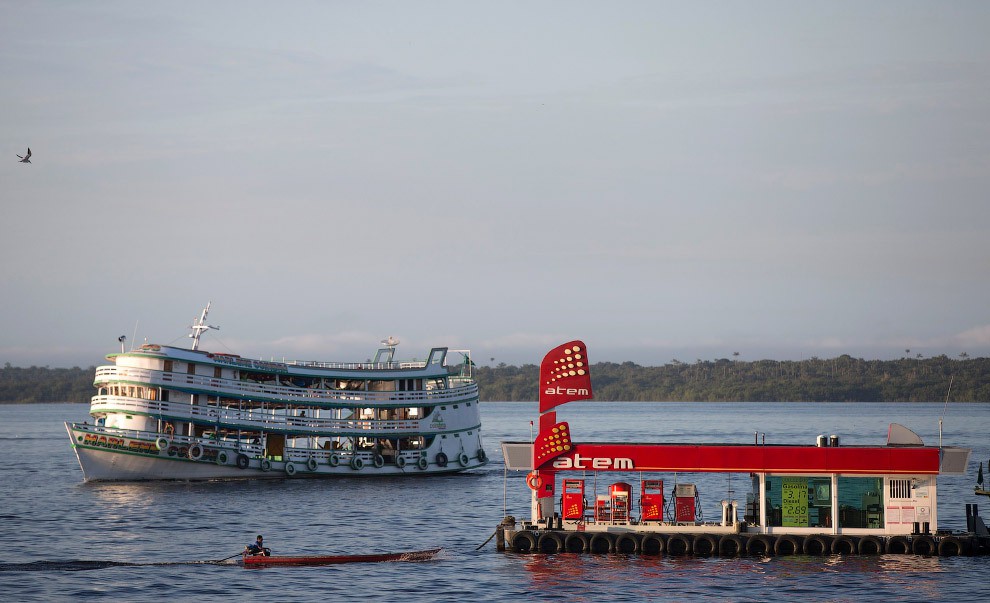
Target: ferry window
<point>860,504</point>
<point>804,502</point>
<point>217,372</point>
<point>168,366</point>
<point>192,369</point>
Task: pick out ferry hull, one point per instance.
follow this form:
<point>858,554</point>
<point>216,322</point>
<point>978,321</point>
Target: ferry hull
<point>111,458</point>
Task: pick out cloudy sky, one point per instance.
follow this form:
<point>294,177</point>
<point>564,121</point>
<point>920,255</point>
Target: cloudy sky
<point>662,180</point>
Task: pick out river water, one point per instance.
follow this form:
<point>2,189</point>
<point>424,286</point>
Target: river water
<point>147,541</point>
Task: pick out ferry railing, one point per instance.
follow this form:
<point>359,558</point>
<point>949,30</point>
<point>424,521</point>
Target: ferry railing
<point>201,383</point>
<point>261,419</point>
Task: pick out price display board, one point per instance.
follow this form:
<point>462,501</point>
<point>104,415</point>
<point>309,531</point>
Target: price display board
<point>794,495</point>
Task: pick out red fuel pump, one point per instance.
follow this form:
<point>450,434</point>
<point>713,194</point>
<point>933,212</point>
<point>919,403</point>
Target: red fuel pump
<point>651,500</point>
<point>572,499</point>
<point>685,496</point>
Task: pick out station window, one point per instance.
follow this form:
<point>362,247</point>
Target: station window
<point>800,502</point>
<point>860,503</point>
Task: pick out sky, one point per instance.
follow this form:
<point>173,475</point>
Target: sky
<point>662,180</point>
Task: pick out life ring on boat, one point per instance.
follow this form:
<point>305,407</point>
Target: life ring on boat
<point>162,443</point>
<point>379,461</point>
<point>266,465</point>
<point>534,481</point>
<point>481,455</point>
<point>400,461</point>
<point>422,463</point>
<point>463,459</point>
<point>243,461</point>
<point>311,464</point>
<point>222,458</point>
<point>870,545</point>
<point>652,544</point>
<point>195,452</point>
<point>950,546</point>
<point>334,460</point>
<point>923,545</point>
<point>290,468</point>
<point>441,459</point>
<point>357,463</point>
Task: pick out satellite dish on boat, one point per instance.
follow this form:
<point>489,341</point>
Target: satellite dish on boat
<point>390,342</point>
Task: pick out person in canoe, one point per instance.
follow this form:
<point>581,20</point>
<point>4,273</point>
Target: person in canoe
<point>257,547</point>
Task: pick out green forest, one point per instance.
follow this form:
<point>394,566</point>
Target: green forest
<point>841,379</point>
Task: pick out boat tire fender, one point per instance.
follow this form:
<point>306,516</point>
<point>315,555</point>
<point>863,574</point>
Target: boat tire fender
<point>441,459</point>
<point>195,452</point>
<point>679,544</point>
<point>290,468</point>
<point>550,542</point>
<point>788,544</point>
<point>422,463</point>
<point>627,543</point>
<point>653,544</point>
<point>463,459</point>
<point>266,465</point>
<point>870,545</point>
<point>524,542</point>
<point>481,455</point>
<point>817,544</point>
<point>923,545</point>
<point>162,443</point>
<point>311,464</point>
<point>576,542</point>
<point>601,542</point>
<point>379,461</point>
<point>731,545</point>
<point>950,546</point>
<point>400,461</point>
<point>761,544</point>
<point>705,545</point>
<point>845,545</point>
<point>243,461</point>
<point>334,460</point>
<point>897,545</point>
<point>222,458</point>
<point>356,463</point>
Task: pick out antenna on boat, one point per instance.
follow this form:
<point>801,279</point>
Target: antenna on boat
<point>943,411</point>
<point>200,325</point>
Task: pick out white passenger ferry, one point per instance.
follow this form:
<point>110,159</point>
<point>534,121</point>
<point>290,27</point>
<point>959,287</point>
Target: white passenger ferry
<point>164,412</point>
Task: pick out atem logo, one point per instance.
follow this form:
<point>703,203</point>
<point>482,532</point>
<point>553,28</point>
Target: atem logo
<point>583,462</point>
<point>568,391</point>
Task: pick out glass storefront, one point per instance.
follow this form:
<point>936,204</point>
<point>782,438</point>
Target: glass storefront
<point>806,502</point>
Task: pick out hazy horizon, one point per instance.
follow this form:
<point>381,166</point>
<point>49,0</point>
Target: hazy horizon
<point>662,180</point>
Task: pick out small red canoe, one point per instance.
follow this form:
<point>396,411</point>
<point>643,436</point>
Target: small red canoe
<point>261,560</point>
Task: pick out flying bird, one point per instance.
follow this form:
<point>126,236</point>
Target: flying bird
<point>26,158</point>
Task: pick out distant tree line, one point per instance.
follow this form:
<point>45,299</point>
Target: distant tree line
<point>841,379</point>
<point>43,384</point>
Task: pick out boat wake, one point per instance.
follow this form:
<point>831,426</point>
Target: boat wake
<point>79,565</point>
